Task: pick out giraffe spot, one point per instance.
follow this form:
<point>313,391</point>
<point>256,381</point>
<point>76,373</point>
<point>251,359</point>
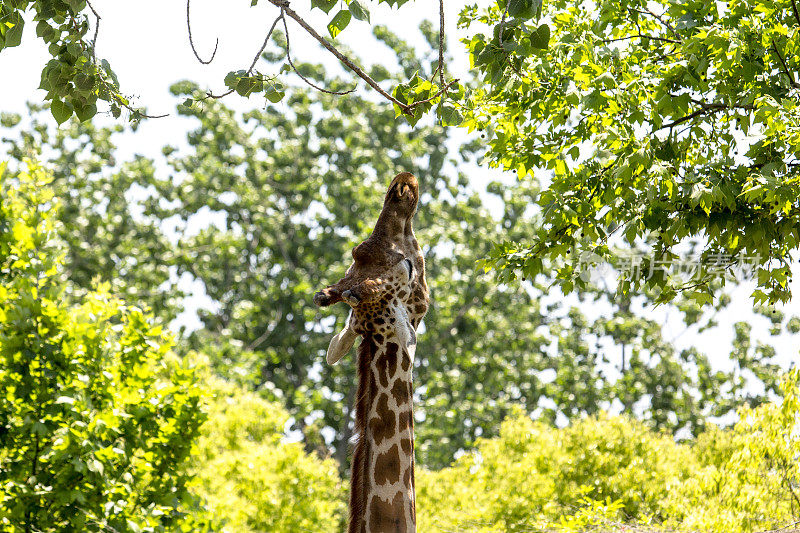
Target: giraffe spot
<point>387,467</point>
<point>391,357</point>
<point>407,478</point>
<point>387,517</point>
<point>407,446</point>
<point>404,422</point>
<point>379,320</point>
<point>420,309</point>
<point>387,363</point>
<point>401,393</point>
<point>382,426</point>
<point>405,362</point>
<point>378,338</point>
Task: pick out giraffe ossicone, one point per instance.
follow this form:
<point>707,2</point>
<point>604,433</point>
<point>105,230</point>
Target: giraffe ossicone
<point>386,290</point>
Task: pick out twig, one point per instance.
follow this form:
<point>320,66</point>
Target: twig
<point>406,108</point>
<point>785,66</point>
<point>639,35</point>
<point>266,40</point>
<point>291,64</point>
<point>658,17</point>
<point>705,108</point>
<point>191,40</point>
<point>796,14</point>
<point>96,31</point>
<point>209,94</point>
<point>441,43</point>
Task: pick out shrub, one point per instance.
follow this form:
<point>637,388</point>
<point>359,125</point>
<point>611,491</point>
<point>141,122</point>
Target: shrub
<point>96,421</point>
<point>252,479</point>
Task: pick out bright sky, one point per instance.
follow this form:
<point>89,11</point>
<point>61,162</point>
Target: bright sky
<point>150,52</point>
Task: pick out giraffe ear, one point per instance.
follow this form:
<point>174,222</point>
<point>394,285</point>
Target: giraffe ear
<point>340,344</point>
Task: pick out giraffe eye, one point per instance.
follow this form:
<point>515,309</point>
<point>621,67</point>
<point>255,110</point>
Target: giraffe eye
<point>410,268</point>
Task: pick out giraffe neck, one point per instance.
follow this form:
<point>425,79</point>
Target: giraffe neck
<point>382,483</point>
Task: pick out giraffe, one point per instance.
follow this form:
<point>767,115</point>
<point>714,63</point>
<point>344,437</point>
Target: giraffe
<point>388,295</point>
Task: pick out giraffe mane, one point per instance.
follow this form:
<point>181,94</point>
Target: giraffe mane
<point>365,394</point>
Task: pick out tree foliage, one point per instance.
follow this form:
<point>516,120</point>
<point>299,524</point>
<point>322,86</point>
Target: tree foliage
<point>660,122</point>
<point>603,470</point>
<point>97,419</point>
<point>261,209</point>
<point>251,479</point>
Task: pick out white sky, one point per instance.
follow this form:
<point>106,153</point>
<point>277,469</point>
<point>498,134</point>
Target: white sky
<point>150,52</point>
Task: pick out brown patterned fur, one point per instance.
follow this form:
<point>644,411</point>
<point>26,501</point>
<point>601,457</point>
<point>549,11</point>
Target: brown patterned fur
<point>386,289</point>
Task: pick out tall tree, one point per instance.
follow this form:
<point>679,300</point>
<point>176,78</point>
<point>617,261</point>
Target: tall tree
<point>97,419</point>
<point>254,202</point>
<point>660,122</point>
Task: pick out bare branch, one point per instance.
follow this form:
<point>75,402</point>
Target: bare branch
<point>441,43</point>
<point>191,40</point>
<point>639,35</point>
<point>706,108</point>
<point>785,66</point>
<point>266,41</point>
<point>96,31</point>
<point>209,94</point>
<point>796,13</point>
<point>284,4</point>
<point>665,23</point>
<point>309,82</point>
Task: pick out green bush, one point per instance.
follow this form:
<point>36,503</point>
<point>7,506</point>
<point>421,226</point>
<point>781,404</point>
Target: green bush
<point>251,479</point>
<point>96,420</point>
<point>750,475</point>
<point>606,470</point>
<point>535,476</point>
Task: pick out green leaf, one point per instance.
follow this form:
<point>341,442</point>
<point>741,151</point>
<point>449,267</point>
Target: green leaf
<point>61,110</point>
<point>85,112</point>
<point>359,12</point>
<point>540,37</point>
<point>45,31</point>
<point>231,80</point>
<point>338,23</point>
<point>520,8</point>
<point>450,116</point>
<point>76,5</point>
<point>249,85</point>
<point>14,34</point>
<point>325,5</point>
<point>274,92</point>
<point>84,82</point>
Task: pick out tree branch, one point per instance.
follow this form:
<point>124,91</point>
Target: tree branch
<point>796,13</point>
<point>96,31</point>
<point>785,66</point>
<point>665,23</point>
<point>191,41</point>
<point>705,109</point>
<point>284,4</point>
<point>266,40</point>
<point>441,43</point>
<point>641,36</point>
<point>309,82</point>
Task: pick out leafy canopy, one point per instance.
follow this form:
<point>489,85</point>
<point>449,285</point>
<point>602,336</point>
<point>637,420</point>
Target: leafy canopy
<point>97,419</point>
<point>289,194</point>
<point>659,122</point>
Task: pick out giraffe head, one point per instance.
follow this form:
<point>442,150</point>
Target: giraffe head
<point>386,269</point>
<point>377,288</point>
